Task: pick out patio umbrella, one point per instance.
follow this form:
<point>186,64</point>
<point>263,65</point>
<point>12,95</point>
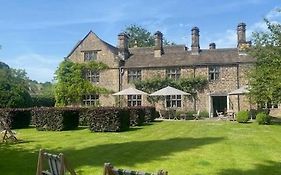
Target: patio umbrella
<point>242,90</point>
<point>130,91</point>
<point>169,91</point>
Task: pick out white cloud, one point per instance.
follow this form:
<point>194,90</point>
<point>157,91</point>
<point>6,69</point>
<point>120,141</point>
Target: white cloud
<point>38,67</point>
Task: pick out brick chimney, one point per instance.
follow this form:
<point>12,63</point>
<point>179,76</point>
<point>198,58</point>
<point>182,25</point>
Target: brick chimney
<point>212,46</point>
<point>195,47</point>
<point>241,34</point>
<point>123,50</point>
<point>158,45</point>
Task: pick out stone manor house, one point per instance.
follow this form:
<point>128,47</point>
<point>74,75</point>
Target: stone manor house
<point>224,68</point>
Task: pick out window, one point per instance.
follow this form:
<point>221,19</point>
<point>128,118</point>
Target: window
<point>173,101</point>
<point>173,73</point>
<point>90,55</point>
<point>214,73</point>
<point>134,75</point>
<point>93,76</point>
<point>134,100</point>
<point>91,100</point>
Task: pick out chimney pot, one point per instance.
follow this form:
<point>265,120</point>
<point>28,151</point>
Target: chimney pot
<point>212,46</point>
<point>195,46</point>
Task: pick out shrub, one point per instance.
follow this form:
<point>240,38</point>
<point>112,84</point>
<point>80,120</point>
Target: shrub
<point>150,114</point>
<point>55,119</point>
<point>43,101</point>
<point>137,115</point>
<point>189,114</point>
<point>204,114</point>
<point>107,119</point>
<point>254,112</point>
<point>263,118</point>
<point>16,118</point>
<point>242,117</point>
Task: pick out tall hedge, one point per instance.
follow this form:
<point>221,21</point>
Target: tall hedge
<point>106,119</point>
<point>16,118</point>
<point>55,119</point>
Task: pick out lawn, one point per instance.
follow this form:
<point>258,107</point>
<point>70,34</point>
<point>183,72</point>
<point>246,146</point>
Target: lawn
<point>180,147</point>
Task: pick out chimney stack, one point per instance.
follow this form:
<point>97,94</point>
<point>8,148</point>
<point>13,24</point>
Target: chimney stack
<point>212,46</point>
<point>241,34</point>
<point>123,46</point>
<point>158,48</point>
<point>195,47</point>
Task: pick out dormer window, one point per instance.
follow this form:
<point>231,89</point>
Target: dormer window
<point>90,55</point>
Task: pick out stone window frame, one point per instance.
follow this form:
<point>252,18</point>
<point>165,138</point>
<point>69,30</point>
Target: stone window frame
<point>134,74</point>
<point>270,105</point>
<point>93,76</point>
<point>90,55</point>
<point>173,101</point>
<point>214,73</point>
<point>173,73</point>
<point>134,100</point>
<point>91,100</point>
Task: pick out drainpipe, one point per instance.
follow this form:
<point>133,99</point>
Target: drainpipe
<point>121,72</point>
<point>238,82</point>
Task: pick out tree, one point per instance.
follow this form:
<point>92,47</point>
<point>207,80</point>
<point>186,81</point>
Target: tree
<point>265,77</point>
<point>71,84</point>
<point>13,87</point>
<point>142,37</point>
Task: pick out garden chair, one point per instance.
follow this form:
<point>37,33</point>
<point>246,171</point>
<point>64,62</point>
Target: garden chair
<point>220,115</point>
<point>197,115</point>
<point>110,170</point>
<point>57,164</point>
<point>7,133</point>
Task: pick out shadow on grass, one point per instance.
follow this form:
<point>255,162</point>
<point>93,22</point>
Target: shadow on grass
<point>120,154</point>
<point>132,153</point>
<point>276,121</point>
<point>269,167</point>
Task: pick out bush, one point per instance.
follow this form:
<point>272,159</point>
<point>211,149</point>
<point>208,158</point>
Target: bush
<point>107,119</point>
<point>55,119</point>
<point>43,101</point>
<point>16,118</point>
<point>263,118</point>
<point>137,115</point>
<point>204,114</point>
<point>254,112</point>
<point>242,117</point>
<point>150,114</point>
<point>189,114</point>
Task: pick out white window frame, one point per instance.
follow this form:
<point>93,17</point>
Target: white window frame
<point>134,100</point>
<point>214,73</point>
<point>173,73</point>
<point>173,101</point>
<point>133,75</point>
<point>90,100</point>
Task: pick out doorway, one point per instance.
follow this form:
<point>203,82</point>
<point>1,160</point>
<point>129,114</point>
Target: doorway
<point>219,104</point>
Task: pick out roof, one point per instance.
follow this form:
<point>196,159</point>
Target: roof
<point>179,56</point>
<point>110,47</point>
<point>240,91</point>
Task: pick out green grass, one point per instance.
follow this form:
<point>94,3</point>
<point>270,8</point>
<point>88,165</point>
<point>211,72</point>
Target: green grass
<point>180,147</point>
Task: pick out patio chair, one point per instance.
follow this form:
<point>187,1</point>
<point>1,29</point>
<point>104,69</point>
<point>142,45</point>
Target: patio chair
<point>110,170</point>
<point>57,164</point>
<point>220,115</point>
<point>197,115</point>
<point>6,132</point>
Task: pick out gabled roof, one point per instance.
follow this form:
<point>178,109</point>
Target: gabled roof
<point>179,56</point>
<point>112,48</point>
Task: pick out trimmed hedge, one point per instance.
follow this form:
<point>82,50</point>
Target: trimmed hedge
<point>106,119</point>
<point>55,119</point>
<point>43,101</point>
<point>16,118</point>
<point>142,114</point>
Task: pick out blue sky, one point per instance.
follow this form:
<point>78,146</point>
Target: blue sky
<point>36,35</point>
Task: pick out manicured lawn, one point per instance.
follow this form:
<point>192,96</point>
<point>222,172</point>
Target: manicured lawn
<point>180,147</point>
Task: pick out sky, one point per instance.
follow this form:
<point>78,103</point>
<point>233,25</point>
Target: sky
<point>36,35</point>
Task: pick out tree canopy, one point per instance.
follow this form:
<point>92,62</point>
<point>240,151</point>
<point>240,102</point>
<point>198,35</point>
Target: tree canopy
<point>265,77</point>
<point>71,84</point>
<point>14,88</point>
<point>142,37</point>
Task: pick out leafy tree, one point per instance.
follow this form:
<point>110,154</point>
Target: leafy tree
<point>265,77</point>
<point>142,37</point>
<point>13,87</point>
<point>71,84</point>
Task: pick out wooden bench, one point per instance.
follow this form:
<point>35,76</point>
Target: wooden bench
<point>110,170</point>
<point>6,132</point>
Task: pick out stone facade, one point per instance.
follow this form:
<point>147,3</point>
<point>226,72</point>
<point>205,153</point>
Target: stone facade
<point>230,64</point>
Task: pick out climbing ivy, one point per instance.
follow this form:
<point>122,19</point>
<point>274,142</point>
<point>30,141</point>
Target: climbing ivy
<point>71,84</point>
